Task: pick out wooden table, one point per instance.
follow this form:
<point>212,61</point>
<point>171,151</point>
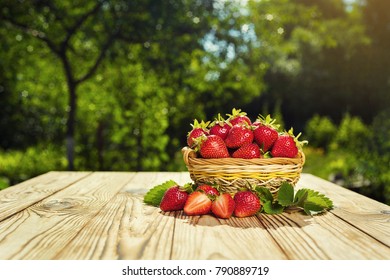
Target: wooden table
<point>100,215</point>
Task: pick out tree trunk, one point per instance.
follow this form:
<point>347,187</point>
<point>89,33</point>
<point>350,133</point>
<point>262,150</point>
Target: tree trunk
<point>70,125</point>
<point>100,144</point>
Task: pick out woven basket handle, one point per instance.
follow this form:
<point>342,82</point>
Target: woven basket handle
<point>188,153</point>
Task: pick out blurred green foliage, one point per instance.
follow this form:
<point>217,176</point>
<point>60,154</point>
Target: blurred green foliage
<point>20,165</point>
<point>357,156</point>
<point>321,131</point>
<point>124,79</point>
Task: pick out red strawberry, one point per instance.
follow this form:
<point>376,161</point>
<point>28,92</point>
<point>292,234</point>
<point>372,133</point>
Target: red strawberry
<point>220,127</point>
<point>223,206</point>
<point>266,133</point>
<point>213,146</point>
<point>207,189</point>
<point>248,151</point>
<point>247,204</point>
<point>284,147</point>
<point>173,199</point>
<point>287,145</point>
<point>237,117</point>
<point>198,129</point>
<point>238,136</point>
<point>198,203</point>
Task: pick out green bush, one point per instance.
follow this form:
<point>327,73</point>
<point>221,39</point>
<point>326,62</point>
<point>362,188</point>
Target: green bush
<point>320,130</point>
<point>17,165</point>
<point>352,134</point>
<point>375,161</point>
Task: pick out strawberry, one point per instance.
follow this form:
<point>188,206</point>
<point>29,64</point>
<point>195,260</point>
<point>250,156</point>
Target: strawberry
<point>248,151</point>
<point>223,206</point>
<point>212,146</point>
<point>238,136</point>
<point>207,189</point>
<point>247,204</point>
<point>198,203</point>
<point>174,199</point>
<point>220,127</point>
<point>237,117</point>
<point>265,133</point>
<point>287,145</point>
<point>198,129</point>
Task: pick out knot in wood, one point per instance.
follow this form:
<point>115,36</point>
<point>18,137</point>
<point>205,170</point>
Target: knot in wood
<point>59,204</point>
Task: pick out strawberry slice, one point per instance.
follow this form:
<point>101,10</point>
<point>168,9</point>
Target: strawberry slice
<point>198,203</point>
<point>223,206</point>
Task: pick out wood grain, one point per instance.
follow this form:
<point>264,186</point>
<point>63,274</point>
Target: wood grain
<point>126,228</point>
<point>25,194</point>
<point>101,215</point>
<point>206,237</point>
<point>322,237</point>
<point>44,229</point>
<point>368,215</point>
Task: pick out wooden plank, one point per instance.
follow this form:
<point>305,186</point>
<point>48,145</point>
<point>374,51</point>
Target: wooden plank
<point>143,181</point>
<point>27,193</point>
<point>44,229</point>
<point>322,237</point>
<point>368,215</point>
<point>207,237</point>
<point>126,228</point>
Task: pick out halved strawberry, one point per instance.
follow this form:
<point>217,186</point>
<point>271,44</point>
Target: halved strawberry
<point>174,199</point>
<point>248,151</point>
<point>223,206</point>
<point>247,204</point>
<point>198,203</point>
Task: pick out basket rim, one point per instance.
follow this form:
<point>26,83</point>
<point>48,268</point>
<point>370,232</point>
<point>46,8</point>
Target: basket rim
<point>190,159</point>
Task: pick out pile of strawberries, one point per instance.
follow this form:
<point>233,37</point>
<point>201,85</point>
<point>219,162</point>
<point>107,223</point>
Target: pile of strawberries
<point>239,137</point>
<point>206,199</point>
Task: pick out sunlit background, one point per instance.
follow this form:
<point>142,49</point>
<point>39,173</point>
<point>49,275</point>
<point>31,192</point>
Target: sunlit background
<point>115,85</point>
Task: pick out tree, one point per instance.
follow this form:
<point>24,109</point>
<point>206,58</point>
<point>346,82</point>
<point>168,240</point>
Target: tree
<point>81,35</point>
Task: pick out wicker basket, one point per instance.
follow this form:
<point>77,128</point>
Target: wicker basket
<point>231,174</point>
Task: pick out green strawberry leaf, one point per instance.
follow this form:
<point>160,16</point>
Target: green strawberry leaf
<point>264,194</point>
<point>319,199</point>
<point>312,201</point>
<point>272,208</point>
<point>312,208</point>
<point>300,197</point>
<point>155,194</point>
<point>286,194</point>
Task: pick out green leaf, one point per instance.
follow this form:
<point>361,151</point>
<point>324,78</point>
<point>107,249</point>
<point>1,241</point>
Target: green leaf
<point>312,201</point>
<point>272,208</point>
<point>154,195</point>
<point>300,197</point>
<point>286,194</point>
<point>264,194</point>
<point>319,199</point>
<point>312,208</point>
